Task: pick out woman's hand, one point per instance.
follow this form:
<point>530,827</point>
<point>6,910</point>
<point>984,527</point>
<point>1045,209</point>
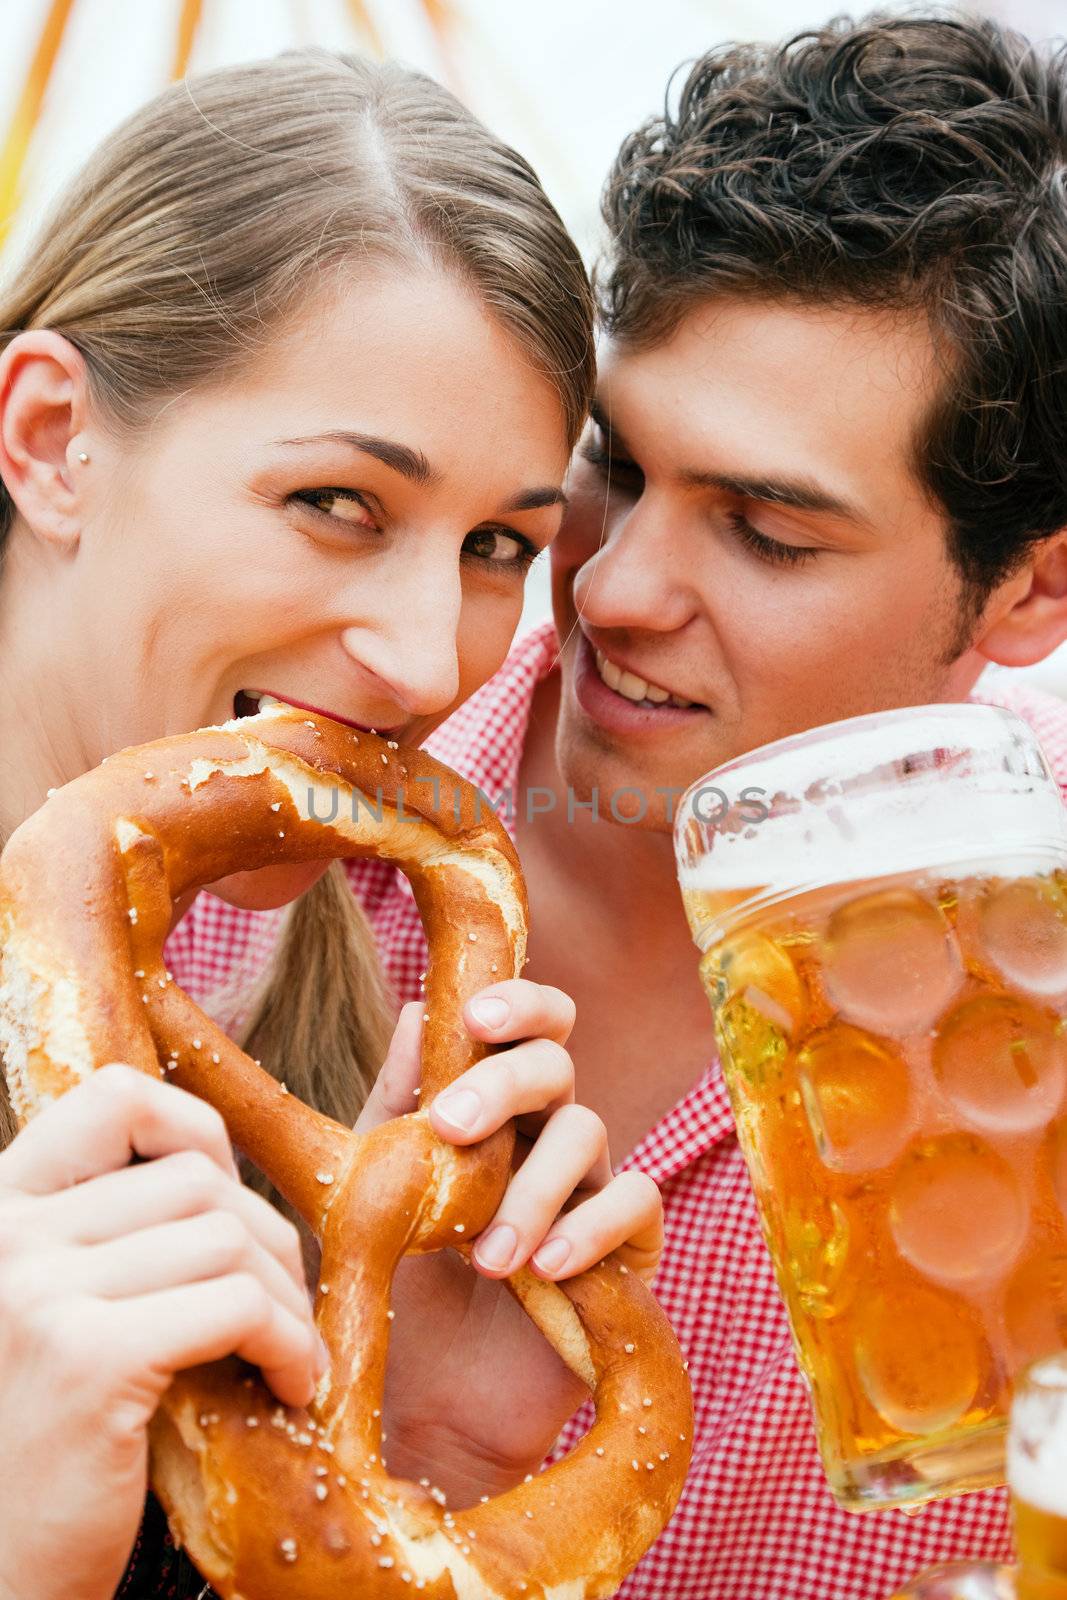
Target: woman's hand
<point>475,1396</point>
<point>112,1278</point>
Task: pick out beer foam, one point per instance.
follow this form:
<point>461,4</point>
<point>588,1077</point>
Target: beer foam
<point>1037,1438</point>
<point>944,785</point>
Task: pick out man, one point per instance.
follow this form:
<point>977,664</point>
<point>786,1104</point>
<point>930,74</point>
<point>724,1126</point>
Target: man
<point>827,475</point>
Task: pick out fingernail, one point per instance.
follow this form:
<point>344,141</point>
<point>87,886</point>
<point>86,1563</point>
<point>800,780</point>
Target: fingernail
<point>461,1108</point>
<point>323,1365</point>
<point>498,1247</point>
<point>491,1011</point>
<point>551,1256</point>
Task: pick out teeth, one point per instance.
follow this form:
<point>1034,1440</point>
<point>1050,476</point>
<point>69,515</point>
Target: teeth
<point>263,701</point>
<point>631,687</point>
<point>608,671</point>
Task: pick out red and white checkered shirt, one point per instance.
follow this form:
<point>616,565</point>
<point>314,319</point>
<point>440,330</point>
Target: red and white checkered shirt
<point>756,1520</point>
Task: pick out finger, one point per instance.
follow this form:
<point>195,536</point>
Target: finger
<point>396,1088</point>
<point>534,1077</point>
<point>625,1217</point>
<point>572,1144</point>
<point>214,1244</point>
<point>234,1315</point>
<point>161,1191</point>
<point>519,1009</point>
<point>115,1114</point>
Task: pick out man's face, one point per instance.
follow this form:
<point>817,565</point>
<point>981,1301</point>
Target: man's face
<point>747,532</point>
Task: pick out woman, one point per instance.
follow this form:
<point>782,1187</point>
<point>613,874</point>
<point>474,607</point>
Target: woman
<point>288,391</point>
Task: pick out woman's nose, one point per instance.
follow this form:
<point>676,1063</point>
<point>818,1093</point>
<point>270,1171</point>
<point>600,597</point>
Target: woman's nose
<point>412,649</point>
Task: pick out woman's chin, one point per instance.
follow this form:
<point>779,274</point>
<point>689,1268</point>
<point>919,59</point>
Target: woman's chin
<point>268,887</point>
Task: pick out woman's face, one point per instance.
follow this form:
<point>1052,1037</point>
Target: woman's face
<point>344,525</point>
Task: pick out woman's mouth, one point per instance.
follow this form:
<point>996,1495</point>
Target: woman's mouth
<point>249,702</point>
<point>624,701</point>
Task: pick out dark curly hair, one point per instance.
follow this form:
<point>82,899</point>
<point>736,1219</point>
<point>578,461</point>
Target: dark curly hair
<point>912,163</point>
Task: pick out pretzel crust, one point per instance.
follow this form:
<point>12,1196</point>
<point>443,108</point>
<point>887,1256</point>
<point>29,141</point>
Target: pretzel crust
<point>277,1503</point>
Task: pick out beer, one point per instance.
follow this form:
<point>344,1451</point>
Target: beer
<point>1037,1474</point>
<point>894,1047</point>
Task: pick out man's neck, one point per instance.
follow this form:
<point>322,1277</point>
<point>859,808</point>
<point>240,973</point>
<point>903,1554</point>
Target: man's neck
<point>608,926</point>
<point>629,870</point>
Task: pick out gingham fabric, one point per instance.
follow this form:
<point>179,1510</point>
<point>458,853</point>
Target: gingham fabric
<point>756,1521</point>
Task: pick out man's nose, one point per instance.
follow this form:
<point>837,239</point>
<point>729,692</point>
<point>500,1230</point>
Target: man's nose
<point>636,578</point>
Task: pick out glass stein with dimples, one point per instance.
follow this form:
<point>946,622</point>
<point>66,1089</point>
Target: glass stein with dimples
<point>1037,1476</point>
<point>880,907</point>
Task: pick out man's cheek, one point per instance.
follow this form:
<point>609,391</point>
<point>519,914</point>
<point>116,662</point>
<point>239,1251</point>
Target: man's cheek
<point>585,521</point>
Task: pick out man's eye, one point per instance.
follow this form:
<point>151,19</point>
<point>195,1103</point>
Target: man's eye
<point>608,462</point>
<point>773,551</point>
<point>599,452</point>
<point>341,505</point>
<point>500,547</point>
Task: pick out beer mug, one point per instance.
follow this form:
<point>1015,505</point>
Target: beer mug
<point>1037,1476</point>
<point>881,910</point>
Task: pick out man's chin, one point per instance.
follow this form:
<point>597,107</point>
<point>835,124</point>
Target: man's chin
<point>268,887</point>
<point>635,788</point>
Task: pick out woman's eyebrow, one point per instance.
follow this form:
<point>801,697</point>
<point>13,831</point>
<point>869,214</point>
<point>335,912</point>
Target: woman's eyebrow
<point>534,499</point>
<point>411,464</point>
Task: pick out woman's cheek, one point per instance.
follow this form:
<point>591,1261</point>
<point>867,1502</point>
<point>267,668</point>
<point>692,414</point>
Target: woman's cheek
<point>484,642</point>
<point>268,887</point>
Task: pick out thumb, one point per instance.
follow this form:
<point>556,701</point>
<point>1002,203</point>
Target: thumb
<point>394,1094</point>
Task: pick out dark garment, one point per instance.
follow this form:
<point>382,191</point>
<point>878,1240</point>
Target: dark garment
<point>157,1571</point>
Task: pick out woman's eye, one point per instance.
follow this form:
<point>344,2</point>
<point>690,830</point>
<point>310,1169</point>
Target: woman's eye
<point>341,505</point>
<point>500,547</point>
<point>772,551</point>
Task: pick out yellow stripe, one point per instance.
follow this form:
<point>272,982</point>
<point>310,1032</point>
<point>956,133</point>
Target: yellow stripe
<point>365,23</point>
<point>439,14</point>
<point>20,131</point>
<point>188,22</point>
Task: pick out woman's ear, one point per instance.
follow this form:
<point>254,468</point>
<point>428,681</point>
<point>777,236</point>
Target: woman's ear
<point>44,450</point>
<point>1028,617</point>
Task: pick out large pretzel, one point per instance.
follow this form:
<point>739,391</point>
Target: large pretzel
<point>275,1503</point>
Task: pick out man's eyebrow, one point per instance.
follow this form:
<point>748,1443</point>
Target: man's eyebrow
<point>411,464</point>
<point>802,494</point>
<point>600,417</point>
<point>615,442</point>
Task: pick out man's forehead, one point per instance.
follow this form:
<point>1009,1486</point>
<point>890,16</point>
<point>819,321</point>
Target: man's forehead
<point>834,394</point>
<point>892,349</point>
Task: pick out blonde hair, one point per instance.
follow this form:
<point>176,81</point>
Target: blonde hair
<point>187,239</point>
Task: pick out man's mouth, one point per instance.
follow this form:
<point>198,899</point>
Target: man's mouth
<point>249,702</point>
<point>632,687</point>
<point>623,701</point>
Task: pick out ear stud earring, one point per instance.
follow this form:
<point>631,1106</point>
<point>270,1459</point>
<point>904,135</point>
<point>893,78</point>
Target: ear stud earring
<point>82,456</point>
